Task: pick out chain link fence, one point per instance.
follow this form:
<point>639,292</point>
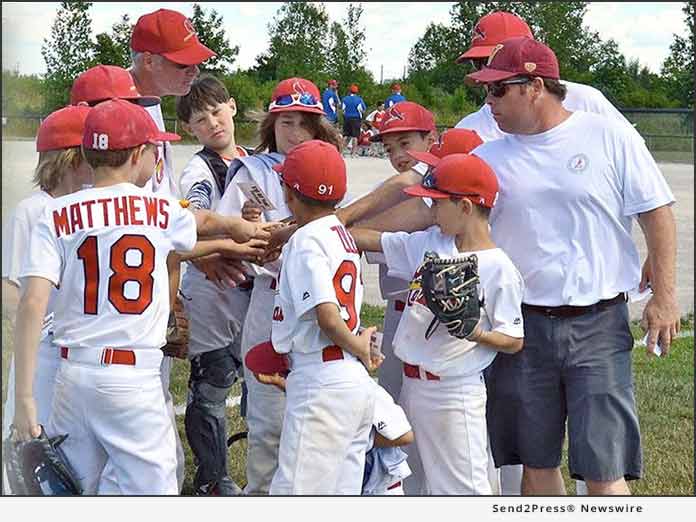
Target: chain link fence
<point>668,133</point>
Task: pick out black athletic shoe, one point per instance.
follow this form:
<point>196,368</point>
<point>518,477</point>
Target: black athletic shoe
<point>225,487</point>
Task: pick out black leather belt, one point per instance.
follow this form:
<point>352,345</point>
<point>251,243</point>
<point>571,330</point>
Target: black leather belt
<point>574,311</point>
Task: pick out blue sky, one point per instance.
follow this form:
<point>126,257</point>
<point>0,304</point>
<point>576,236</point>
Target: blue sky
<point>643,30</point>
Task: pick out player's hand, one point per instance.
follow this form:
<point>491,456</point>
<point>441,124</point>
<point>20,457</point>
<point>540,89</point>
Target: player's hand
<point>661,322</point>
<point>280,235</point>
<point>223,272</point>
<point>25,419</point>
<point>364,350</point>
<point>270,255</point>
<point>251,211</point>
<point>276,379</point>
<point>252,250</point>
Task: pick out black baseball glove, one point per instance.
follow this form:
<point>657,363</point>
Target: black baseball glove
<point>450,289</point>
<point>39,468</point>
<point>177,332</point>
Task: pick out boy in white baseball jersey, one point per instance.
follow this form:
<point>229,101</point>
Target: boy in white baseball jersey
<point>216,314</point>
<point>444,395</point>
<point>295,115</point>
<point>61,170</point>
<point>329,401</point>
<point>107,248</point>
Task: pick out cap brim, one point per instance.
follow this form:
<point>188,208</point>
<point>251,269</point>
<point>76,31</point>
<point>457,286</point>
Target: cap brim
<point>378,137</point>
<point>488,75</point>
<point>424,157</point>
<point>298,108</point>
<point>420,191</point>
<point>164,136</point>
<point>193,55</point>
<point>262,358</point>
<point>479,51</point>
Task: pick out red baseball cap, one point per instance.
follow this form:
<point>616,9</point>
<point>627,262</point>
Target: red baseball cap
<point>263,358</point>
<point>405,116</point>
<point>296,94</point>
<point>316,170</point>
<point>62,129</point>
<point>518,56</point>
<point>105,82</point>
<point>170,34</point>
<point>492,29</point>
<point>452,141</point>
<point>333,83</point>
<point>124,124</point>
<point>354,89</point>
<point>459,175</point>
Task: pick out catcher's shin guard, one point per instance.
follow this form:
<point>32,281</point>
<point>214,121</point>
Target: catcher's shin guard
<point>212,376</point>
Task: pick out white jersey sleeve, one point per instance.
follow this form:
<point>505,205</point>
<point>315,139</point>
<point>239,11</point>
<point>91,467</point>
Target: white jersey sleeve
<point>403,251</point>
<point>16,236</point>
<point>198,185</point>
<point>502,294</point>
<point>389,419</point>
<point>44,256</point>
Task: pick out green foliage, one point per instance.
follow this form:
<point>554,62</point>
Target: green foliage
<point>211,33</point>
<point>678,68</point>
<point>68,51</point>
<point>114,48</point>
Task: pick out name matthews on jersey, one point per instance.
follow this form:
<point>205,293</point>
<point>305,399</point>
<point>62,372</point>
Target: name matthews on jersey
<point>115,211</point>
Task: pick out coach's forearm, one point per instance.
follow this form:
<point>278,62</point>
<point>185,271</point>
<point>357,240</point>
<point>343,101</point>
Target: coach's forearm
<point>410,216</point>
<point>660,232</point>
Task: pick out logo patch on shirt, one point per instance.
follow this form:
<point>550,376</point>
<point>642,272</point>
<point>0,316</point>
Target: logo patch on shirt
<point>516,321</point>
<point>305,296</point>
<point>578,163</point>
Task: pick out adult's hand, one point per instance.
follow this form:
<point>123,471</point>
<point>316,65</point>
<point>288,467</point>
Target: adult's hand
<point>224,272</point>
<point>661,321</point>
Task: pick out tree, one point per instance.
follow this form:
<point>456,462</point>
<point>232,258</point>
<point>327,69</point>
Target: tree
<point>68,51</point>
<point>297,34</point>
<point>114,48</point>
<point>678,68</point>
<point>211,33</point>
<point>355,33</point>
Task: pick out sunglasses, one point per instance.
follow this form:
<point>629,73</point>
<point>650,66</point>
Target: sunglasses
<point>499,89</point>
<point>303,99</point>
<point>430,182</point>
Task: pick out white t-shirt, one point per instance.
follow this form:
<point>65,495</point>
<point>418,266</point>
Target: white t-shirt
<point>579,97</point>
<point>567,201</point>
<point>163,181</point>
<point>16,237</point>
<point>500,288</point>
<point>321,264</point>
<point>106,248</point>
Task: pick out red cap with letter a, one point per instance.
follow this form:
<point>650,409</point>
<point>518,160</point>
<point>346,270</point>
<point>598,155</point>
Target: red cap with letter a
<point>403,117</point>
<point>492,29</point>
<point>62,129</point>
<point>170,34</point>
<point>118,124</point>
<point>463,175</point>
<point>316,170</point>
<point>452,141</point>
<point>296,94</point>
<point>105,82</point>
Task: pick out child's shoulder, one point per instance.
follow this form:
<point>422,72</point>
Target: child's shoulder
<point>497,267</point>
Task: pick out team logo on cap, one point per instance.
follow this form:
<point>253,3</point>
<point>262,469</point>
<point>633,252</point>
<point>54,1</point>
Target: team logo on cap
<point>478,33</point>
<point>578,163</point>
<point>493,53</point>
<point>190,29</point>
<point>529,66</point>
<point>392,114</point>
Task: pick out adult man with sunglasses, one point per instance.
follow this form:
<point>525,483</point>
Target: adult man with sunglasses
<point>571,185</point>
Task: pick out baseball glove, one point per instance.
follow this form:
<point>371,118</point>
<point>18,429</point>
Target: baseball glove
<point>177,332</point>
<point>450,289</point>
<point>38,467</point>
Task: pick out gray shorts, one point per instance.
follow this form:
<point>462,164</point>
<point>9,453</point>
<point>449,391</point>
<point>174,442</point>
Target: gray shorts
<point>576,369</point>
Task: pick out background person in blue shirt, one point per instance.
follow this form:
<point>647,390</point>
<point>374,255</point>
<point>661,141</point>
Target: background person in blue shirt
<point>395,96</point>
<point>331,101</point>
<point>353,109</point>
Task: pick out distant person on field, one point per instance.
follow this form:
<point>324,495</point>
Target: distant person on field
<point>331,101</point>
<point>395,96</point>
<point>353,109</point>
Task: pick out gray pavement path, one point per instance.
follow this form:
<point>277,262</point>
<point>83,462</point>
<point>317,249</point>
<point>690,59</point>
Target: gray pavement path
<point>19,159</point>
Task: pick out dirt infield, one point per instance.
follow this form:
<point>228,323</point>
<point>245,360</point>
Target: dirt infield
<point>19,159</point>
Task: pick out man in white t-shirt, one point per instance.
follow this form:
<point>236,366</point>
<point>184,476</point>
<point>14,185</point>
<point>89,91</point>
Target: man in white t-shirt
<point>571,185</point>
<point>166,53</point>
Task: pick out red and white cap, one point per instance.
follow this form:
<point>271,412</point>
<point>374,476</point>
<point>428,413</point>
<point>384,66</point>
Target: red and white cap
<point>517,57</point>
<point>118,124</point>
<point>170,34</point>
<point>462,175</point>
<point>263,358</point>
<point>62,129</point>
<point>452,141</point>
<point>403,117</point>
<point>105,82</point>
<point>492,29</point>
<point>315,169</point>
<point>296,94</point>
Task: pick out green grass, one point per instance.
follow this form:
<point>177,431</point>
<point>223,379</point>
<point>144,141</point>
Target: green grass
<point>663,388</point>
